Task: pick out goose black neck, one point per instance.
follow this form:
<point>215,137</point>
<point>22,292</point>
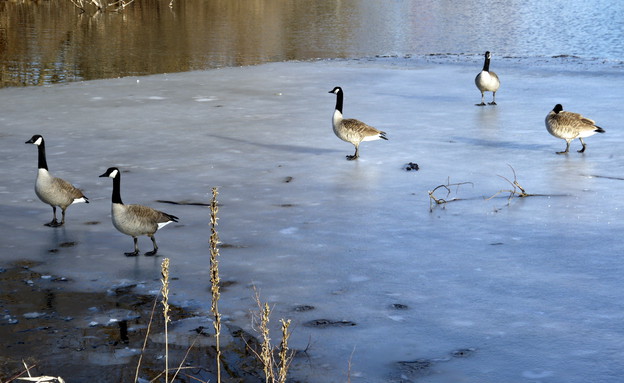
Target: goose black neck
<point>339,97</point>
<point>486,64</point>
<point>117,189</point>
<point>43,164</point>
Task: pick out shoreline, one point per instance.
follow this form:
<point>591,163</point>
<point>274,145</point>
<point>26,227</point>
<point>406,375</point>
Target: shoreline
<point>558,63</point>
<point>98,337</point>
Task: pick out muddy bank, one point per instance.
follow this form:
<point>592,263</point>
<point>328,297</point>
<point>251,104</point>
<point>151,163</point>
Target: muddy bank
<point>98,337</point>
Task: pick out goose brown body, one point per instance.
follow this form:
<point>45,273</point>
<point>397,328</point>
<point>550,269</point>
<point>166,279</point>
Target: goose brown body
<point>352,130</point>
<point>53,191</point>
<point>135,220</point>
<point>569,126</point>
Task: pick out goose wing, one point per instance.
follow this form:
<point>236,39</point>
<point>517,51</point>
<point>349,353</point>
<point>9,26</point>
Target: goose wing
<point>577,121</point>
<point>360,129</point>
<point>149,215</point>
<point>576,117</point>
<point>495,79</point>
<point>138,220</point>
<point>67,189</point>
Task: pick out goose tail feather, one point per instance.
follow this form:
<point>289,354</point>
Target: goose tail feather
<point>81,200</point>
<point>172,218</point>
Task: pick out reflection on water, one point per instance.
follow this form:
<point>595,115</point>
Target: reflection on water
<point>49,42</point>
<point>52,41</point>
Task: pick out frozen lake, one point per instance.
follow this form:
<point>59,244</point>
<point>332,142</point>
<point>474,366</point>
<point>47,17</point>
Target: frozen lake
<point>478,290</point>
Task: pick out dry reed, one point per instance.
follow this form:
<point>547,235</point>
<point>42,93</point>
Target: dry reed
<point>147,332</point>
<point>434,201</point>
<point>214,276</point>
<point>103,6</point>
<point>274,371</point>
<point>284,355</point>
<point>167,318</point>
<point>39,379</point>
<point>265,353</point>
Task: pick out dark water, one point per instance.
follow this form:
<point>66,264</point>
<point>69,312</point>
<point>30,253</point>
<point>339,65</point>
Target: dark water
<point>44,42</point>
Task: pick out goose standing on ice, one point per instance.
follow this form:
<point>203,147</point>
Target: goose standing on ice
<point>135,220</point>
<point>350,129</point>
<point>52,190</point>
<point>487,81</point>
<point>568,126</point>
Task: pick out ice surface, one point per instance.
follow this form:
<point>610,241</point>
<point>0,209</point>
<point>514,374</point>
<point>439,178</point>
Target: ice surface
<point>533,286</point>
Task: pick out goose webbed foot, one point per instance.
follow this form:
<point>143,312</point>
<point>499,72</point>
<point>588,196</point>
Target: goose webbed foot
<point>481,104</point>
<point>355,155</point>
<point>54,223</point>
<point>136,248</point>
<point>584,146</point>
<point>567,149</point>
<point>492,103</point>
<point>151,253</point>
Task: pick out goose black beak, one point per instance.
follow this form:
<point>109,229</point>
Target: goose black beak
<point>103,175</point>
<point>30,141</point>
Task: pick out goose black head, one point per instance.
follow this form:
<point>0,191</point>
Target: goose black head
<point>336,90</point>
<point>558,108</point>
<point>488,55</point>
<point>37,139</point>
<point>111,172</point>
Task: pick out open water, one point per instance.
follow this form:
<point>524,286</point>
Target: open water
<point>54,41</point>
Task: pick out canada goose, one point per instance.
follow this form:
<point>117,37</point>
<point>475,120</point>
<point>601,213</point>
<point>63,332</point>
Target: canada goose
<point>350,129</point>
<point>52,190</point>
<point>568,126</point>
<point>135,220</point>
<point>487,81</point>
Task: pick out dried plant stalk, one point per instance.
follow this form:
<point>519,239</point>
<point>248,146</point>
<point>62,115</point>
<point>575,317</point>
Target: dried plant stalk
<point>274,371</point>
<point>102,5</point>
<point>517,190</point>
<point>265,353</point>
<point>214,276</point>
<point>433,200</point>
<point>165,303</point>
<point>147,332</point>
<point>284,354</point>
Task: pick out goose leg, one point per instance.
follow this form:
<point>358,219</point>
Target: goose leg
<point>136,249</point>
<point>493,99</point>
<point>62,216</point>
<point>567,149</point>
<point>582,143</point>
<point>54,222</point>
<point>482,100</point>
<point>355,155</point>
<point>153,252</point>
